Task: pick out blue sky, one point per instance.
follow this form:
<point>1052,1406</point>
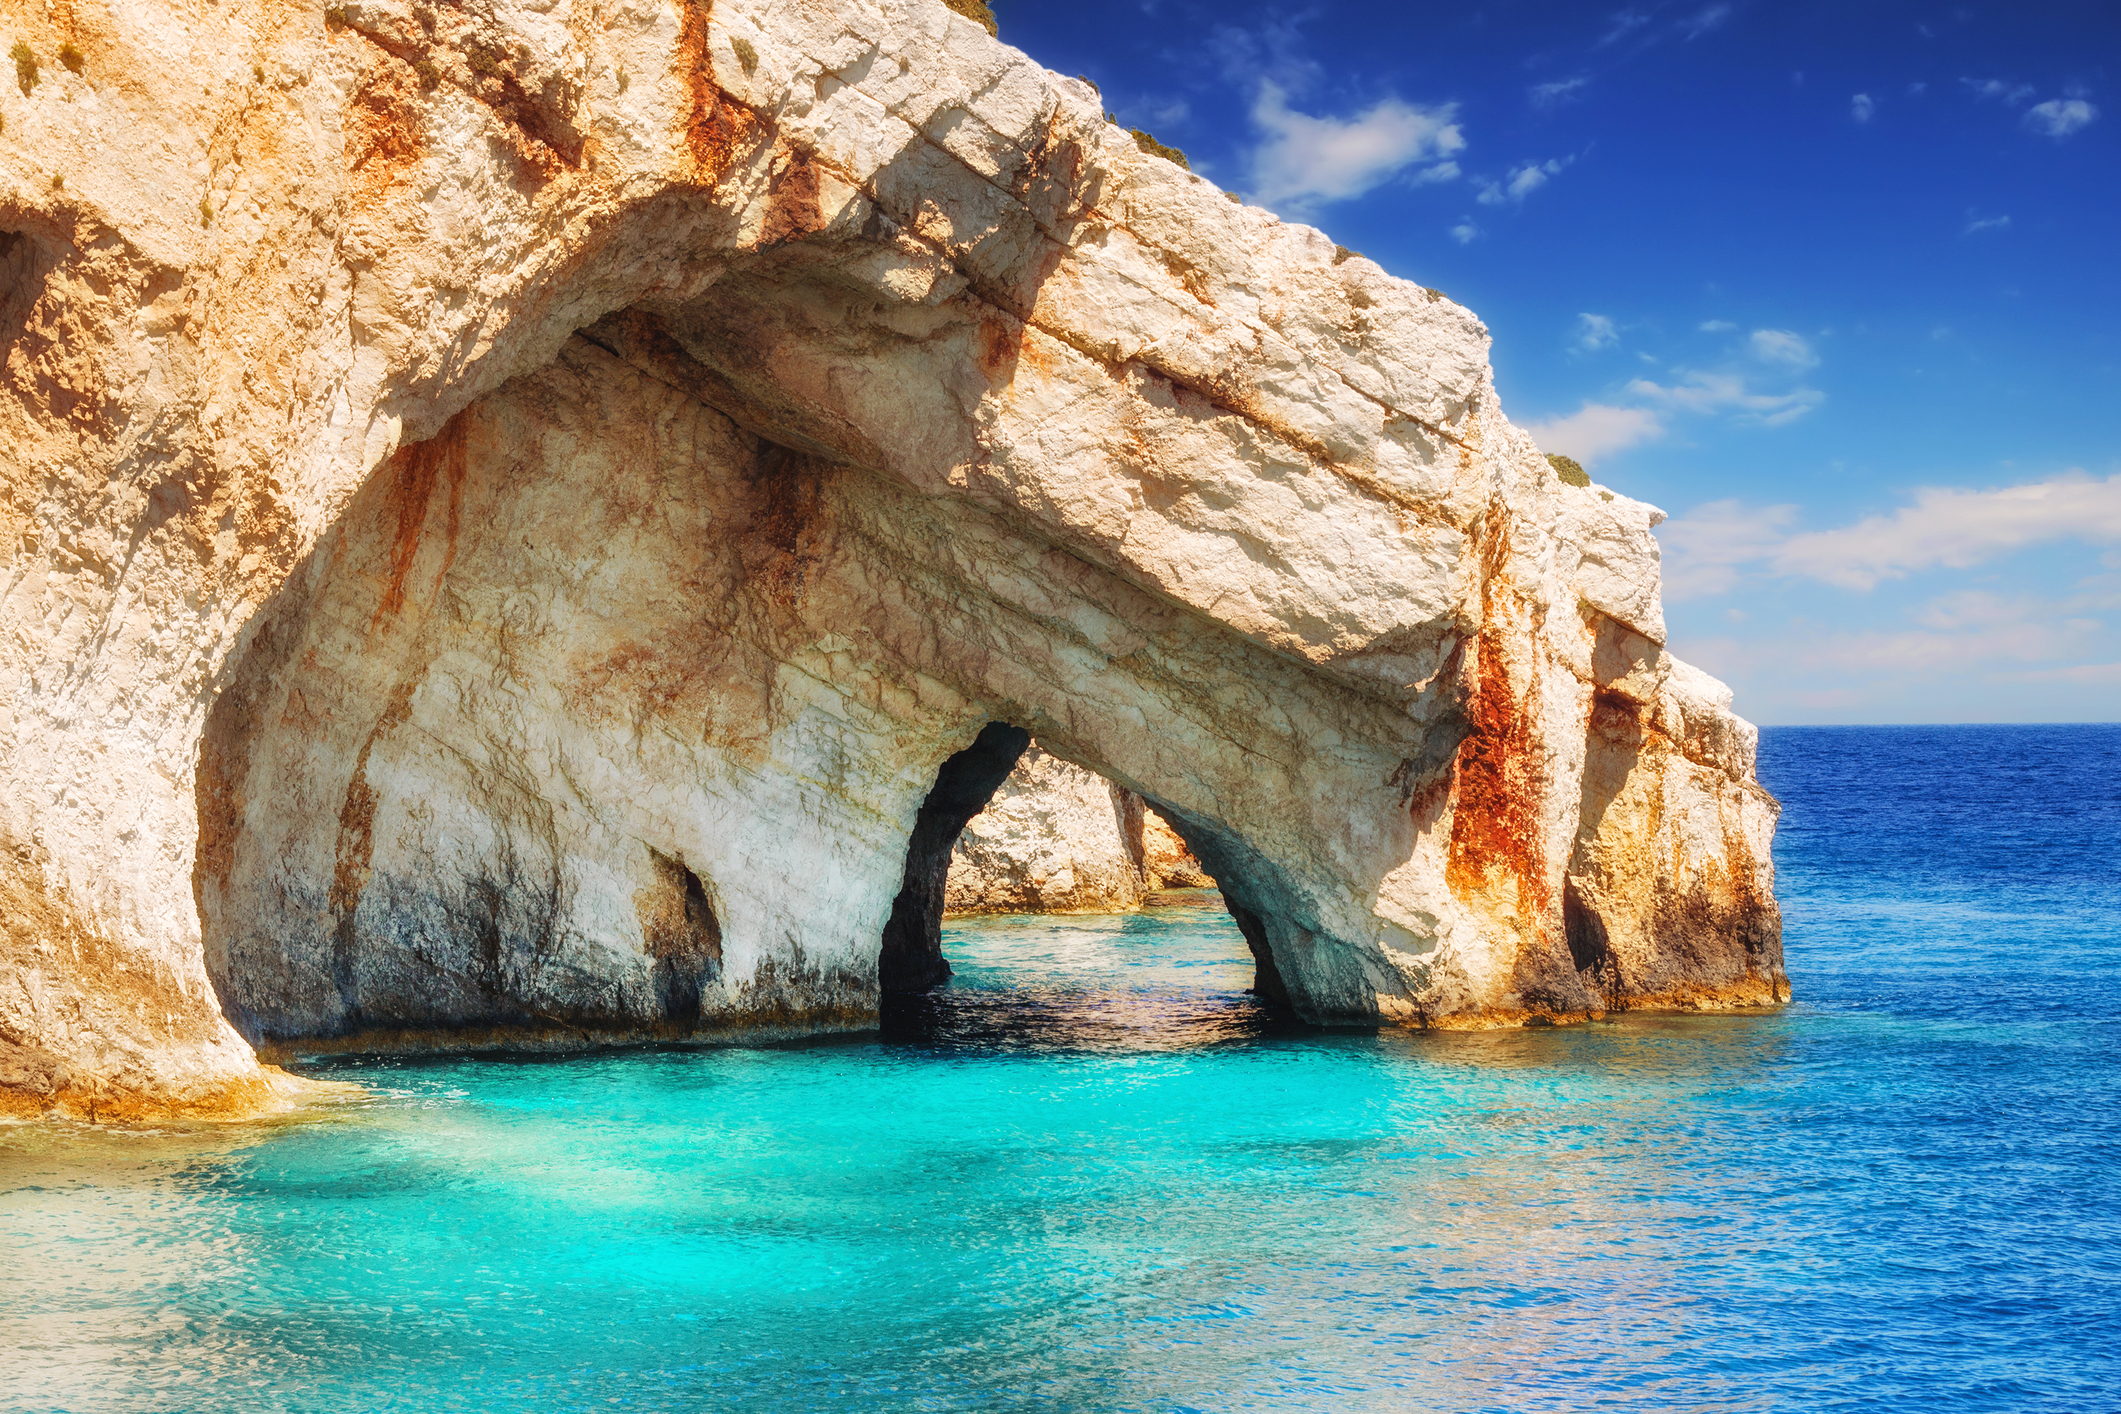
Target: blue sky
<point>1836,285</point>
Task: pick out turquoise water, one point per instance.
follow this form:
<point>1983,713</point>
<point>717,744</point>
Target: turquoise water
<point>1093,1176</point>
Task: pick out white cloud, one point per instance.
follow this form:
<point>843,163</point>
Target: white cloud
<point>2059,117</point>
<point>1985,223</point>
<point>2011,93</point>
<point>1957,529</point>
<point>1781,347</point>
<point>1701,391</point>
<point>1549,95</point>
<point>1465,232</point>
<point>1972,629</point>
<point>1596,430</point>
<point>1862,106</point>
<point>1711,546</point>
<point>1305,160</point>
<point>1595,332</point>
<point>1716,326</point>
<point>1707,550</point>
<point>1523,180</point>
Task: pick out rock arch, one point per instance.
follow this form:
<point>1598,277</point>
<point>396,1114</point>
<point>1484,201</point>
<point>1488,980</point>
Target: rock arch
<point>644,458</point>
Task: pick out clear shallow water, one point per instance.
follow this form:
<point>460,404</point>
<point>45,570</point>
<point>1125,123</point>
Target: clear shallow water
<point>1092,1176</point>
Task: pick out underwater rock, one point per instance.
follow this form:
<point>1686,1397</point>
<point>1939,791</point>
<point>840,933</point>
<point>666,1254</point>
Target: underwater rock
<point>509,509</point>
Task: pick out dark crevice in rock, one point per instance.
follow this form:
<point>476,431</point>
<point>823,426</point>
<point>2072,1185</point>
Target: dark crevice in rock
<point>684,936</point>
<point>24,267</point>
<point>1245,883</point>
<point>912,958</point>
<point>1266,977</point>
<point>1590,947</point>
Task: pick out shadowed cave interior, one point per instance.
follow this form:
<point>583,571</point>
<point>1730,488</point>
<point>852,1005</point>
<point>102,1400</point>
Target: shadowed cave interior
<point>484,776</point>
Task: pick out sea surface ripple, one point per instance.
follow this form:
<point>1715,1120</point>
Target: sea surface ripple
<point>1094,1175</point>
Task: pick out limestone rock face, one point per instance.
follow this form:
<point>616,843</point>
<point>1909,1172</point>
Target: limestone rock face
<point>509,508</point>
<point>1057,838</point>
<point>1166,862</point>
<point>1054,839</point>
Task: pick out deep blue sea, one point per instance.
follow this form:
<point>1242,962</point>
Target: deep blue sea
<point>1093,1177</point>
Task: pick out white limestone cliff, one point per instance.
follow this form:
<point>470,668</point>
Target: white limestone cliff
<point>1057,838</point>
<point>1054,839</point>
<point>512,508</point>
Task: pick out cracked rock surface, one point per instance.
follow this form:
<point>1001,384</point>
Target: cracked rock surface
<point>509,506</point>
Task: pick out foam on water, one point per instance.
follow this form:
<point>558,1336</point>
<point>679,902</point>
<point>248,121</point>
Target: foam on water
<point>1094,1175</point>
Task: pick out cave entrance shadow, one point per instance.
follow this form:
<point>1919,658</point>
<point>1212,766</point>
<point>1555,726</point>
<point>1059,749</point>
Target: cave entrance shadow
<point>918,1005</point>
<point>912,962</point>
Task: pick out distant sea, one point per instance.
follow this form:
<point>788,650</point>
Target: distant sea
<point>1093,1176</point>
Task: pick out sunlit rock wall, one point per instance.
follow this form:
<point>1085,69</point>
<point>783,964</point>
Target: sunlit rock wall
<point>1055,839</point>
<point>1058,838</point>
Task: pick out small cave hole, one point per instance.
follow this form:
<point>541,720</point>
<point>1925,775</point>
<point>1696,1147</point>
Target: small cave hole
<point>684,937</point>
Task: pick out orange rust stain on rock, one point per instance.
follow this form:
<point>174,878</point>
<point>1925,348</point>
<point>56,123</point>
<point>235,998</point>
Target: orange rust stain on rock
<point>384,130</point>
<point>788,521</point>
<point>1495,825</point>
<point>357,824</point>
<point>414,471</point>
<point>792,210</point>
<point>716,126</point>
<point>357,814</point>
<point>1001,344</point>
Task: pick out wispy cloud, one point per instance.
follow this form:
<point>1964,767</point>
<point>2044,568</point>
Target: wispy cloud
<point>1708,550</point>
<point>1623,24</point>
<point>1595,332</point>
<point>1597,430</point>
<point>2025,630</point>
<point>1751,387</point>
<point>1984,223</point>
<point>1781,347</point>
<point>1560,91</point>
<point>1705,19</point>
<point>1862,107</point>
<point>1957,529</point>
<point>2011,93</point>
<point>1465,232</point>
<point>1716,326</point>
<point>2059,117</point>
<point>1713,545</point>
<point>1727,392</point>
<point>1305,160</point>
<point>1523,180</point>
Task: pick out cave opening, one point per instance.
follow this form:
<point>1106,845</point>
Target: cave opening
<point>1010,830</point>
<point>396,853</point>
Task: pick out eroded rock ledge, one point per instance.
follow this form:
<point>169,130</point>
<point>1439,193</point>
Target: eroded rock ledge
<point>508,509</point>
